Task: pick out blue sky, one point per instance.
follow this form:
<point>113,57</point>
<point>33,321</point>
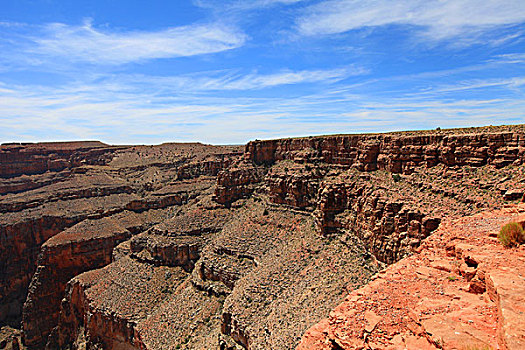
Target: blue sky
<point>230,71</point>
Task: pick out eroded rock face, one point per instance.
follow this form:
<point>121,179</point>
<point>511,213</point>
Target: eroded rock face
<point>203,247</point>
<point>398,153</point>
<point>145,297</point>
<point>236,182</point>
<point>58,263</point>
<point>287,276</point>
<point>85,246</point>
<point>390,225</point>
<point>95,183</point>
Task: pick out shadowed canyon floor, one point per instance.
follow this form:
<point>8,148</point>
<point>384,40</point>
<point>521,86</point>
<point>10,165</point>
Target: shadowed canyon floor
<point>191,246</point>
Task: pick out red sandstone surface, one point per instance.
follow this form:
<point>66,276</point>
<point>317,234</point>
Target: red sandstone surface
<point>461,290</point>
<point>191,246</point>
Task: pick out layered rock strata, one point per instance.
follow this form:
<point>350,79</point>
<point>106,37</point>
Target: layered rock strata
<point>190,246</point>
<point>85,246</point>
<point>29,159</point>
<point>94,184</point>
<point>154,270</point>
<point>399,153</point>
<point>236,182</point>
<point>22,234</point>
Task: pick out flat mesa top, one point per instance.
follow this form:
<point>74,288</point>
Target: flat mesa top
<point>520,128</point>
<point>74,145</point>
<point>65,145</point>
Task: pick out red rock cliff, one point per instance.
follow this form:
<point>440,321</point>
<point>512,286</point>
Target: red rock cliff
<point>397,153</point>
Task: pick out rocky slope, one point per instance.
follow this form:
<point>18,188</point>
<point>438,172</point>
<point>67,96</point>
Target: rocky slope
<point>84,210</point>
<point>204,247</point>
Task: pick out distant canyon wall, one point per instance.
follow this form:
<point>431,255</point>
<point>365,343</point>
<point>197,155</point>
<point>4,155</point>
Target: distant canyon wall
<point>396,153</point>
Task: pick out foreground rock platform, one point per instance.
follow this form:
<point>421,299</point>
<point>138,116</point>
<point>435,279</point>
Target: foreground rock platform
<point>461,290</point>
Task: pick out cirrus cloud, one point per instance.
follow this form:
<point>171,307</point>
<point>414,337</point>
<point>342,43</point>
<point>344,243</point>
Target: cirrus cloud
<point>87,44</point>
<point>440,19</point>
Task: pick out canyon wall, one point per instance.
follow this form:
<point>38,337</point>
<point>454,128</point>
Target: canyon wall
<point>36,158</point>
<point>195,246</point>
<point>397,153</point>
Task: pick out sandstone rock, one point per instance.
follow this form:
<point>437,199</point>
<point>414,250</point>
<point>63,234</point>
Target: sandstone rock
<point>83,247</point>
<point>429,307</point>
<point>398,153</point>
<point>18,159</point>
<point>512,195</point>
<point>236,182</point>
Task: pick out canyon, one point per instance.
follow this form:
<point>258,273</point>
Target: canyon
<point>325,242</point>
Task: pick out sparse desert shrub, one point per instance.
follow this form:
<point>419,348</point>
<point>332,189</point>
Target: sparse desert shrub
<point>511,235</point>
<point>396,177</point>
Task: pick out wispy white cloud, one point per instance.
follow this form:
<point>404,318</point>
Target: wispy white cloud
<point>87,44</point>
<point>243,4</point>
<point>509,83</point>
<point>512,58</point>
<point>221,81</point>
<point>439,19</point>
<point>117,111</point>
<point>255,81</point>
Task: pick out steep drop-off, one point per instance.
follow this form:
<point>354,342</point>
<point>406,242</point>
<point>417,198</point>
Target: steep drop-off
<point>194,246</point>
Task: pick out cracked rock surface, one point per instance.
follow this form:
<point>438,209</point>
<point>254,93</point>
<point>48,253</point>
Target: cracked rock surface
<point>461,289</point>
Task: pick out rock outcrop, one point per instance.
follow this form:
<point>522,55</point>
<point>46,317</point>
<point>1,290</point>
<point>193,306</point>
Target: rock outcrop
<point>86,246</point>
<point>236,182</point>
<point>462,289</point>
